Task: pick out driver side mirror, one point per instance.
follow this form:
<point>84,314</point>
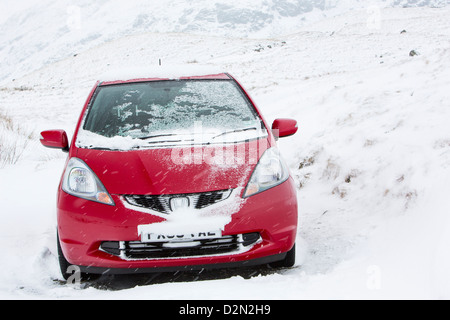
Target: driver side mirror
<point>55,139</point>
<point>284,128</point>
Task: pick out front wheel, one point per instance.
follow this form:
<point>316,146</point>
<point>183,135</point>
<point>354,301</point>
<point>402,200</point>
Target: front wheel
<point>287,262</point>
<point>68,270</point>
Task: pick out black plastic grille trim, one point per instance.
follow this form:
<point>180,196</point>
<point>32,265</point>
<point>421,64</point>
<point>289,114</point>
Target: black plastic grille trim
<point>161,203</point>
<point>141,250</point>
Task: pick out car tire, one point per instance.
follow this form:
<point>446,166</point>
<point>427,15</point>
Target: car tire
<point>64,266</point>
<point>287,262</point>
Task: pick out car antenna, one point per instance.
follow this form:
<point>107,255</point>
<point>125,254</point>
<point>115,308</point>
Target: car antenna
<point>160,62</point>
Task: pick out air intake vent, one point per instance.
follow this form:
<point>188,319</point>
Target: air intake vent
<point>160,250</point>
<point>161,203</point>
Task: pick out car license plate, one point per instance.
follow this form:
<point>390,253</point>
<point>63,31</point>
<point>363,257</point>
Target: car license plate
<point>155,237</point>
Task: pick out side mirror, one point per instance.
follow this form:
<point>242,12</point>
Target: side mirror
<point>56,139</point>
<point>284,127</point>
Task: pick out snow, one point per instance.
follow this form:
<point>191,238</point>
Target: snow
<point>371,159</point>
<point>89,140</point>
<point>171,72</point>
<point>195,137</point>
<point>212,218</point>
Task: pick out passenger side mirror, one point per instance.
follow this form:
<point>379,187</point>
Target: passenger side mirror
<point>56,139</point>
<point>284,128</point>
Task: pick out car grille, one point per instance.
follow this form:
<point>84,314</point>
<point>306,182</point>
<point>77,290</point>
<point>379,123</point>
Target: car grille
<point>161,203</point>
<point>166,250</point>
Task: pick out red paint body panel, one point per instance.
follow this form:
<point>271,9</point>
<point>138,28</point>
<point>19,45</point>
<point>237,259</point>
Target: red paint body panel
<point>284,127</point>
<point>54,139</point>
<point>83,225</point>
<point>153,171</point>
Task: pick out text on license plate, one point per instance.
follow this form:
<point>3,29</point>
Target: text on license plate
<point>154,237</point>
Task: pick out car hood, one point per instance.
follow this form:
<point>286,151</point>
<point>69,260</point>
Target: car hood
<point>178,170</point>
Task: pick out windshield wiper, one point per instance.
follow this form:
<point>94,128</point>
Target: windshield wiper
<point>158,135</point>
<point>233,131</point>
<point>165,141</point>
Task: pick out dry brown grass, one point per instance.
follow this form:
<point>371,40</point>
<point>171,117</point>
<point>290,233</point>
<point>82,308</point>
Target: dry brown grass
<point>14,139</point>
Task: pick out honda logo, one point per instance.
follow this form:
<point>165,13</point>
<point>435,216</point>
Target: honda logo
<point>179,203</point>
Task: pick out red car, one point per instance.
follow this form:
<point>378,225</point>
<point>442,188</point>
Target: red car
<point>173,173</point>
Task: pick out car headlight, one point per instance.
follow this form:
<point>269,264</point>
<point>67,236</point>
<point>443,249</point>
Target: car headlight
<point>269,172</point>
<point>80,181</point>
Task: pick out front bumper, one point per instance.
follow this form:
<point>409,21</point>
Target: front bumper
<point>84,226</point>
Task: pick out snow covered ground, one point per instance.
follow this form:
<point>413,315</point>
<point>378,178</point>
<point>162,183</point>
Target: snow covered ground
<point>369,88</point>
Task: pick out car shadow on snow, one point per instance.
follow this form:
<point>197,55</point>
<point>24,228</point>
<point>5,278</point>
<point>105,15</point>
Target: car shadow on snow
<point>121,282</point>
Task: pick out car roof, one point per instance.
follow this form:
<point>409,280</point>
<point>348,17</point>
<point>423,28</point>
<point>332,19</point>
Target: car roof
<point>123,76</point>
<point>221,76</point>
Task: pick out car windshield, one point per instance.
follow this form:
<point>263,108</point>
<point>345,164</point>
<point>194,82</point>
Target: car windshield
<point>169,112</point>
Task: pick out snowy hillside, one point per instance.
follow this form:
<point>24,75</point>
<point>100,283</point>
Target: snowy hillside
<point>368,86</point>
<point>34,34</point>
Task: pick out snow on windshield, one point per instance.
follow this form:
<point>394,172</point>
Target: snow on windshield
<point>160,112</point>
